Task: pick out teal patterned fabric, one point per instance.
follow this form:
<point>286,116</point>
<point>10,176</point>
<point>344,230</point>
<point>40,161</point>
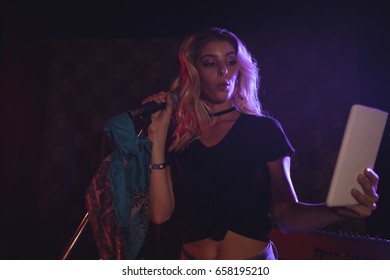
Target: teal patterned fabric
<point>129,180</point>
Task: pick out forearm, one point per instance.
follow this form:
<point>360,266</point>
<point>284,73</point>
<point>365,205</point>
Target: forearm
<point>161,200</point>
<point>306,217</point>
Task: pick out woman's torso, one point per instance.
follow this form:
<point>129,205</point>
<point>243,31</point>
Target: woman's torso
<point>222,191</point>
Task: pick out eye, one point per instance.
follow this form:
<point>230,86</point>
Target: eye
<point>231,62</point>
<point>231,59</point>
<point>209,64</point>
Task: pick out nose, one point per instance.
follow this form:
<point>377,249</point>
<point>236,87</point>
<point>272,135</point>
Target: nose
<point>222,71</point>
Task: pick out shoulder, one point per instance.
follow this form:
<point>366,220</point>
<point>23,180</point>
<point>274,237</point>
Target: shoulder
<point>268,136</point>
<point>260,121</point>
<point>266,128</point>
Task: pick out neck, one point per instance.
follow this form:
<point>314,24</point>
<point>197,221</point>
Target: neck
<point>220,113</point>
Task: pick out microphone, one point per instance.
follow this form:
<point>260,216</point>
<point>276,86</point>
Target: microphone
<point>152,107</point>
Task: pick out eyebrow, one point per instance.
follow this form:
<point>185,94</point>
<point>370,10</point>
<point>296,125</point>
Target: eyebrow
<point>213,55</point>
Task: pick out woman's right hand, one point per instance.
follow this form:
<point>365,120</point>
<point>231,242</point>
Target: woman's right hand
<point>159,120</point>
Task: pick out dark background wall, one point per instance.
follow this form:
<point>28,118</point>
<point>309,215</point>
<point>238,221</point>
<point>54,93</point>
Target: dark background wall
<point>67,68</point>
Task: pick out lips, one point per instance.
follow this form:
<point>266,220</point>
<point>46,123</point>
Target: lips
<point>223,86</point>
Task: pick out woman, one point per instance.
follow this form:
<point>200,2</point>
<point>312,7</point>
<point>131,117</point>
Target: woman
<point>228,176</point>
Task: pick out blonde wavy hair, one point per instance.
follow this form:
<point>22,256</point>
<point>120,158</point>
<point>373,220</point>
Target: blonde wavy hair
<point>192,113</point>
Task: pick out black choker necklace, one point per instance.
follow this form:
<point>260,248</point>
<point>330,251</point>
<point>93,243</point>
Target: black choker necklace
<point>223,112</point>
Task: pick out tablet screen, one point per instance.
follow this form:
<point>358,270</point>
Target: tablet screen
<point>358,151</point>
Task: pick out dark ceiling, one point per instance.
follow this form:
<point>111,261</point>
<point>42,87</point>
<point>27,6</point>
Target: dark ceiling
<point>148,18</point>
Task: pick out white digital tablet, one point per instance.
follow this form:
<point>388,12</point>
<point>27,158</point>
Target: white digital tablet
<point>358,151</point>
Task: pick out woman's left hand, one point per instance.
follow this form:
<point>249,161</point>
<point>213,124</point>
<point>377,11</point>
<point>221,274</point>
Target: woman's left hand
<point>366,200</point>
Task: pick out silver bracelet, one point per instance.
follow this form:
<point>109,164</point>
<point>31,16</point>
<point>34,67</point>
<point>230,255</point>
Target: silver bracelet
<point>158,166</point>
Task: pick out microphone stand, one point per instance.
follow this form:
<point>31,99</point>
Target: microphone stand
<point>75,236</point>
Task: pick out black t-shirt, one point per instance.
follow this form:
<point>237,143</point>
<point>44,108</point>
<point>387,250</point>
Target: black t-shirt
<point>227,186</point>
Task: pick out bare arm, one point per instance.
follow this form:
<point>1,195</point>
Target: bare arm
<point>291,215</point>
<point>161,198</point>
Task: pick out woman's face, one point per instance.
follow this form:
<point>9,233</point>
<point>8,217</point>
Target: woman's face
<point>218,70</point>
